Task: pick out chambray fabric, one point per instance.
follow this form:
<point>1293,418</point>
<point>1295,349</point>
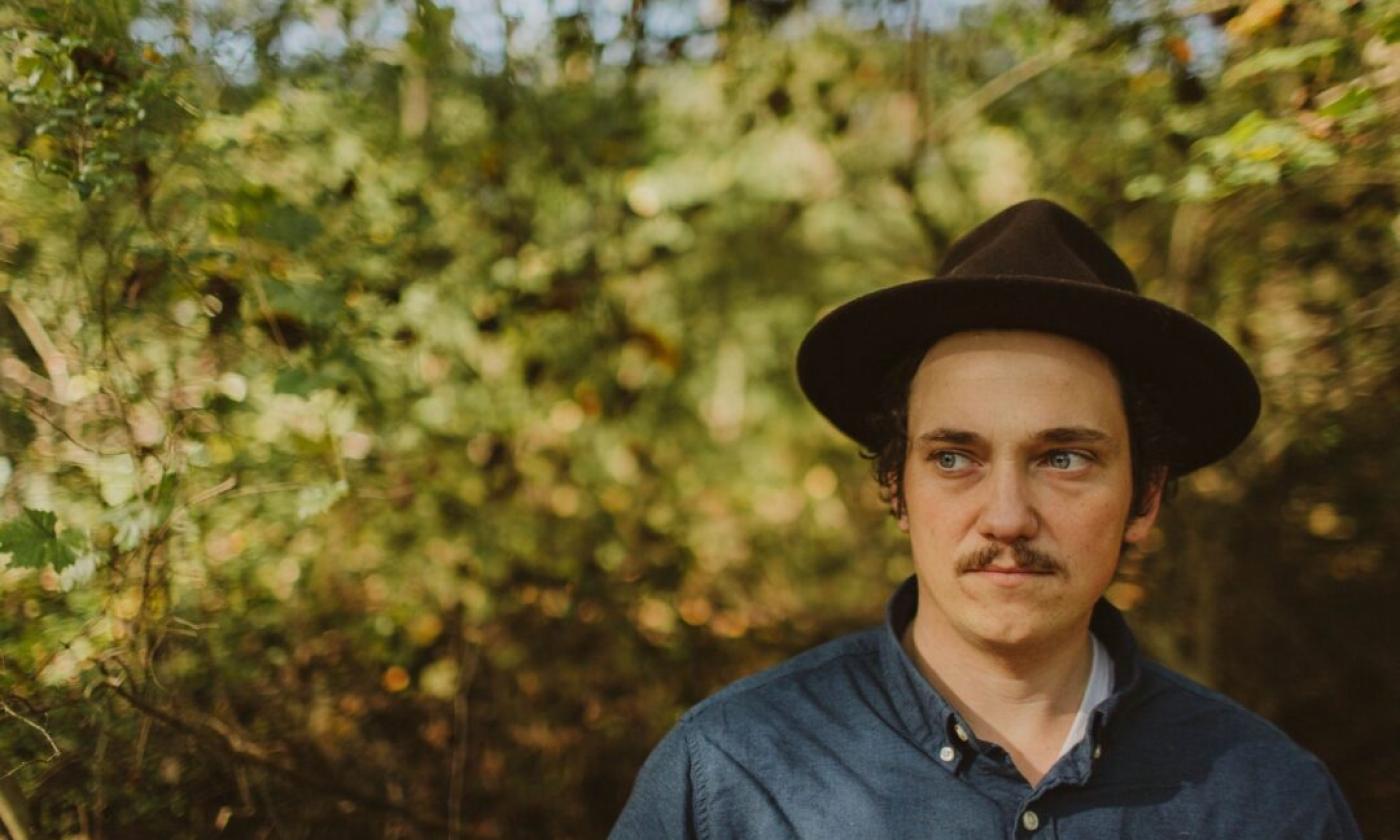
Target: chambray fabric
<point>848,740</point>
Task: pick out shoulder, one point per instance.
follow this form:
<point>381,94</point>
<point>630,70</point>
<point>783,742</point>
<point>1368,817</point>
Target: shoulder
<point>1221,752</point>
<point>833,664</point>
<point>1183,716</point>
<point>716,772</point>
<point>1180,704</point>
<point>813,691</point>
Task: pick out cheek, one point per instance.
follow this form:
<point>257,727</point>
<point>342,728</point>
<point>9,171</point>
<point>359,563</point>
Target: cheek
<point>1097,524</point>
<point>933,514</point>
<point>920,498</point>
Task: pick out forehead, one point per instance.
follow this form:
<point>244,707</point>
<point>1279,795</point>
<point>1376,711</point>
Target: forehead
<point>1004,378</point>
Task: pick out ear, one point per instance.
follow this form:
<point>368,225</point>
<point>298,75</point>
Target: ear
<point>900,516</point>
<point>1140,526</point>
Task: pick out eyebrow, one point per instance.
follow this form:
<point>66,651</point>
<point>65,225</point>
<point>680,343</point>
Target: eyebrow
<point>1072,434</point>
<point>953,436</point>
<point>1058,434</point>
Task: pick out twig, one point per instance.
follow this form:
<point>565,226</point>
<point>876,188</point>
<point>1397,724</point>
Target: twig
<point>58,427</point>
<point>217,490</point>
<point>1190,223</point>
<point>467,659</point>
<point>263,489</point>
<point>42,731</point>
<point>1007,81</point>
<point>265,309</point>
<point>243,748</point>
<point>1207,7</point>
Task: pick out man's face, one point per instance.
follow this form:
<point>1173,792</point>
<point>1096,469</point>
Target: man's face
<point>1017,486</point>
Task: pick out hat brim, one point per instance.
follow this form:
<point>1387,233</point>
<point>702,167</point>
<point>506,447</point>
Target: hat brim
<point>1208,395</point>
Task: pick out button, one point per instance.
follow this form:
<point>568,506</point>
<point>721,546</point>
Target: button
<point>947,754</point>
<point>960,732</point>
<point>1098,750</point>
<point>1030,821</point>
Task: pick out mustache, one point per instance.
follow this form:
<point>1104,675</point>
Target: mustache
<point>1027,558</point>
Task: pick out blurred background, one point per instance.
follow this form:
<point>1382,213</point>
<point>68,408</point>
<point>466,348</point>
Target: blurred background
<point>398,416</point>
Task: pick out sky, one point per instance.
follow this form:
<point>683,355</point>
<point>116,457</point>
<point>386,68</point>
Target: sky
<point>221,28</point>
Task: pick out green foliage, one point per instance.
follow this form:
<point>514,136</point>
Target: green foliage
<point>81,107</point>
<point>427,413</point>
<point>1277,59</point>
<point>33,541</point>
<point>1258,150</point>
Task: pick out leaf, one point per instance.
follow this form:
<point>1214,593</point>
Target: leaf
<point>318,498</point>
<point>1145,186</point>
<point>1278,59</point>
<point>1349,103</point>
<point>290,226</point>
<point>33,541</point>
<point>1389,29</point>
<point>1257,16</point>
<point>299,381</point>
<point>319,303</point>
<point>133,522</point>
<point>116,478</point>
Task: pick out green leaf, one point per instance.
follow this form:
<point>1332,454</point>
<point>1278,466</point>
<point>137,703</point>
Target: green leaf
<point>1278,59</point>
<point>1145,186</point>
<point>1389,29</point>
<point>300,382</point>
<point>321,304</point>
<point>1245,128</point>
<point>290,226</point>
<point>33,541</point>
<point>1348,103</point>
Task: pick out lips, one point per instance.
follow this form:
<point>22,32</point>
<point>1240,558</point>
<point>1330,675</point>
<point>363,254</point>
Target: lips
<point>1009,575</point>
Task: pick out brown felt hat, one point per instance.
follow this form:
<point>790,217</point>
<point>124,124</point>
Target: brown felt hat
<point>1035,266</point>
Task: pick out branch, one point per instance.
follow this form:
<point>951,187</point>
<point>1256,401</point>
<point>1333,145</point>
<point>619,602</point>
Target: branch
<point>1007,81</point>
<point>16,371</point>
<point>1188,236</point>
<point>217,490</point>
<point>241,747</point>
<point>42,731</point>
<point>54,362</point>
<point>14,810</point>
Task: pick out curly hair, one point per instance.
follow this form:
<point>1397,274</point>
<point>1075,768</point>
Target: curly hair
<point>1151,442</point>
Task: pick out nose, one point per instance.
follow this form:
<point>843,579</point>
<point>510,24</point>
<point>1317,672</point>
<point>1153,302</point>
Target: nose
<point>1008,513</point>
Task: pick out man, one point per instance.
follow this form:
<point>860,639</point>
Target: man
<point>1027,410</point>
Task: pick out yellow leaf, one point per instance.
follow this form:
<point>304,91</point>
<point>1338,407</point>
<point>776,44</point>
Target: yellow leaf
<point>1260,14</point>
<point>395,679</point>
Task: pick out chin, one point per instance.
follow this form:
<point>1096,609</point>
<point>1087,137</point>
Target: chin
<point>1009,638</point>
<point>1016,632</point>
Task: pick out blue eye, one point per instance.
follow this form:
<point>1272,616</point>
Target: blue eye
<point>950,460</point>
<point>1066,460</point>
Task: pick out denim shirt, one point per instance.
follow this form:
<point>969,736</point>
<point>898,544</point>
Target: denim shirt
<point>849,740</point>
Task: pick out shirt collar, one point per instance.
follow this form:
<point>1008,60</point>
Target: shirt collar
<point>930,721</point>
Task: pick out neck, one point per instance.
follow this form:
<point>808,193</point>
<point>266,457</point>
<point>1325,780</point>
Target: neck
<point>1023,698</point>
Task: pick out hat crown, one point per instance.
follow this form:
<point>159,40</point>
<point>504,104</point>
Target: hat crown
<point>1037,238</point>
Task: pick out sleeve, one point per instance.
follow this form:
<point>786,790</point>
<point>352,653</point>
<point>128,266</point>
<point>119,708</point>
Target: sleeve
<point>662,804</point>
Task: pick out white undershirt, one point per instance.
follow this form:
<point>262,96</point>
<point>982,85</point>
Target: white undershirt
<point>1099,687</point>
